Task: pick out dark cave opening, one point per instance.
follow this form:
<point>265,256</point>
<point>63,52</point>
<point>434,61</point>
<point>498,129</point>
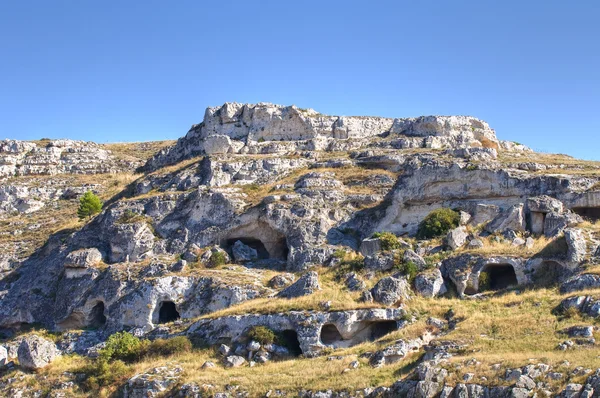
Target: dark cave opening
<point>167,312</point>
<point>382,328</point>
<point>254,243</point>
<point>97,318</point>
<point>589,213</point>
<point>499,276</point>
<point>330,334</point>
<point>291,342</point>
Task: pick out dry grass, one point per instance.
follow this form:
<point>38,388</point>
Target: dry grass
<point>493,247</point>
<point>557,163</point>
<point>136,151</point>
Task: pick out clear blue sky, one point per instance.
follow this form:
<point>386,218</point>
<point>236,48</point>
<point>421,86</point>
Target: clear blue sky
<point>145,70</point>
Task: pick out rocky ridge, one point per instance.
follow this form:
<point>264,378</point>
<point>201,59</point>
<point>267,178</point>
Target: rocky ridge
<point>297,201</point>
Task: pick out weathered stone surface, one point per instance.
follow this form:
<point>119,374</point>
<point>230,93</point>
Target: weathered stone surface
<point>390,290</point>
<point>305,285</point>
<point>545,204</point>
<point>281,281</point>
<point>3,356</point>
<point>234,361</point>
<point>555,223</point>
<point>383,261</point>
<point>36,352</point>
<point>243,253</point>
<point>513,219</point>
<point>457,238</point>
<point>84,258</point>
<point>153,383</point>
<point>370,246</point>
<point>430,284</point>
<point>411,257</point>
<point>577,245</point>
<point>580,282</point>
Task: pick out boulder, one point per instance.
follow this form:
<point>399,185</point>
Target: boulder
<point>430,284</point>
<point>545,204</point>
<point>305,285</point>
<point>36,352</point>
<point>234,361</point>
<point>243,253</point>
<point>513,219</point>
<point>475,244</point>
<point>353,282</point>
<point>456,238</point>
<point>580,282</point>
<point>84,258</point>
<point>153,383</point>
<point>555,223</point>
<point>208,260</point>
<point>484,213</point>
<point>370,246</point>
<point>390,290</point>
<point>577,245</point>
<point>281,281</point>
<point>411,257</point>
<point>383,261</point>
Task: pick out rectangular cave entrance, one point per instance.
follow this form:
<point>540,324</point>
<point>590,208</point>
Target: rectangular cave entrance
<point>589,213</point>
<point>497,277</point>
<point>167,312</point>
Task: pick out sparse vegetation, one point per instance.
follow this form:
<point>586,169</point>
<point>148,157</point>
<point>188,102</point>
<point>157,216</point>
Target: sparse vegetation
<point>438,223</point>
<point>262,334</point>
<point>389,241</point>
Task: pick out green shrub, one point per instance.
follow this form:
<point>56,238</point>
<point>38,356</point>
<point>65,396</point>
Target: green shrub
<point>388,240</point>
<point>123,346</point>
<point>217,258</point>
<point>409,269</point>
<point>438,223</point>
<point>262,334</point>
<point>484,281</point>
<point>129,217</point>
<point>166,347</point>
<point>89,204</point>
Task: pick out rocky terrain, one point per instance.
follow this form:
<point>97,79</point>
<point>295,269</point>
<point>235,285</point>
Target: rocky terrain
<point>276,251</point>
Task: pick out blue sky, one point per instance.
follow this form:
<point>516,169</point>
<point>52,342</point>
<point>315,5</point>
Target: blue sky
<point>112,71</point>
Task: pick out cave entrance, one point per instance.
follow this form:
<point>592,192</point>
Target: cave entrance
<point>254,243</point>
<point>590,213</point>
<point>167,312</point>
<point>330,334</point>
<point>291,342</point>
<point>380,329</point>
<point>97,318</point>
<point>497,277</point>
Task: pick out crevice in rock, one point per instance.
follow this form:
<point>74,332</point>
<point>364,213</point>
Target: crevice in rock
<point>167,312</point>
<point>97,318</point>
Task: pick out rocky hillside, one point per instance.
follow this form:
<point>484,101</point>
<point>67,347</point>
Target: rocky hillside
<point>276,251</point>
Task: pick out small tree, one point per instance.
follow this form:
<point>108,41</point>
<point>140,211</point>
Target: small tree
<point>89,204</point>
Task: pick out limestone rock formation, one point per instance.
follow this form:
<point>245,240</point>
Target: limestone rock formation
<point>36,352</point>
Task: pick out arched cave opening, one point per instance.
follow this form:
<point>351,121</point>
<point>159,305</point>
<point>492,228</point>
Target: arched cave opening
<point>589,213</point>
<point>97,318</point>
<point>330,334</point>
<point>254,243</point>
<point>167,312</point>
<point>291,342</point>
<point>497,277</point>
<point>382,328</point>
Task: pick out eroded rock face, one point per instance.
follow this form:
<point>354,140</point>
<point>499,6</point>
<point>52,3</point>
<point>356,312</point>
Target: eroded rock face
<point>352,327</point>
<point>430,284</point>
<point>19,158</point>
<point>390,290</point>
<point>152,383</point>
<point>305,285</point>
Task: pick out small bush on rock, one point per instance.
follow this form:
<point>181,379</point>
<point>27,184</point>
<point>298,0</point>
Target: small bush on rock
<point>388,240</point>
<point>409,269</point>
<point>217,258</point>
<point>262,334</point>
<point>484,281</point>
<point>438,223</point>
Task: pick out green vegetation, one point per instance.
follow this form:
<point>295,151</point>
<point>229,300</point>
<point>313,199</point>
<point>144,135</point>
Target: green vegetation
<point>89,204</point>
<point>484,281</point>
<point>129,217</point>
<point>388,240</point>
<point>410,269</point>
<point>262,334</point>
<point>217,258</point>
<point>438,223</point>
